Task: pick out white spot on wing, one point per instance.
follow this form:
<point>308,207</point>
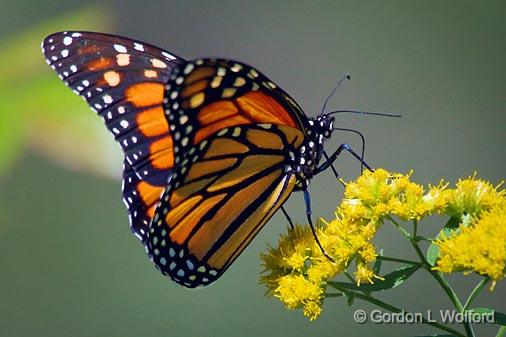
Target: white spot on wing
<point>168,56</point>
<point>107,99</point>
<point>120,49</point>
<point>138,46</point>
<point>67,41</point>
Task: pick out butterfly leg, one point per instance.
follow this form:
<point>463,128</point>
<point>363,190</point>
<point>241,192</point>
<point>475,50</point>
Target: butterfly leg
<point>336,154</point>
<point>336,174</point>
<point>290,222</point>
<point>307,199</point>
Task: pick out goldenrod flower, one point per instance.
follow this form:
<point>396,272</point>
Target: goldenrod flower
<point>291,254</point>
<point>436,200</point>
<point>312,310</point>
<point>297,271</point>
<point>296,290</point>
<point>364,274</point>
<point>377,194</point>
<point>473,196</point>
<point>480,247</point>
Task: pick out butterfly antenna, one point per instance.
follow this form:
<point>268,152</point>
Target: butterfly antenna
<point>346,76</point>
<point>363,113</point>
<point>362,152</point>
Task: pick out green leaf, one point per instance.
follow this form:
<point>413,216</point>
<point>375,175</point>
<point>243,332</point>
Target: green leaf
<point>451,228</point>
<point>436,335</point>
<point>499,317</point>
<point>501,332</point>
<point>432,254</point>
<point>391,280</point>
<point>350,297</point>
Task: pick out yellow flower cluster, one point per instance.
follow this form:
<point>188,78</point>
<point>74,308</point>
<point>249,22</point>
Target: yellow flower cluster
<point>473,196</point>
<point>377,194</point>
<point>297,271</point>
<point>479,243</point>
<point>480,247</point>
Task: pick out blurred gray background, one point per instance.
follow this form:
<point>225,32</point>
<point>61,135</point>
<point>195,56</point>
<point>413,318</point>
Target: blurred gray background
<point>68,263</point>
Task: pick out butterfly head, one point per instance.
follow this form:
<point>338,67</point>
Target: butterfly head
<point>310,153</point>
<point>322,125</point>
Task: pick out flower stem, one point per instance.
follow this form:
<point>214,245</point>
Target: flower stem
<point>475,292</point>
<point>444,284</point>
<point>399,227</point>
<point>395,309</point>
<point>395,259</point>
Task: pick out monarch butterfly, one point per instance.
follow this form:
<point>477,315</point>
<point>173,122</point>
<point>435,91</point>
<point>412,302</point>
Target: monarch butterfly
<point>213,148</point>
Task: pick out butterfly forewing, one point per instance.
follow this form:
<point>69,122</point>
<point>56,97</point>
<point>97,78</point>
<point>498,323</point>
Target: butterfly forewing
<point>208,95</point>
<point>123,81</point>
<point>140,198</point>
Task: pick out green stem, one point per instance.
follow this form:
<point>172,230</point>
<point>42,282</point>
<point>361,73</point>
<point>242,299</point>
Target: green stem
<point>395,309</point>
<point>395,259</point>
<point>415,228</point>
<point>399,227</point>
<point>444,284</point>
<point>475,292</point>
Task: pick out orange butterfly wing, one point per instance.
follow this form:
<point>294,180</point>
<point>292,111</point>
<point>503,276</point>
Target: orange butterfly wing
<point>234,138</point>
<point>206,219</point>
<point>123,81</point>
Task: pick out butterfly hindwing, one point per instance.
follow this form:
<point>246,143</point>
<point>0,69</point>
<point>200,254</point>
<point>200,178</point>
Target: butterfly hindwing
<point>123,81</point>
<point>140,198</point>
<point>234,182</point>
<point>234,135</point>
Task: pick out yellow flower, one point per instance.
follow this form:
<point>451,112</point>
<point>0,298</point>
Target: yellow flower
<point>312,310</point>
<point>377,194</point>
<point>297,272</point>
<point>295,290</point>
<point>436,200</point>
<point>473,196</point>
<point>322,270</point>
<point>363,274</point>
<point>291,254</point>
<point>480,247</point>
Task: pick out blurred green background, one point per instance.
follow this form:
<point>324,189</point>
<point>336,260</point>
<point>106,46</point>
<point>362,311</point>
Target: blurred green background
<point>68,263</point>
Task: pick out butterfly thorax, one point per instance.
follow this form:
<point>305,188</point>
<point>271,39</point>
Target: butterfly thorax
<point>306,159</point>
